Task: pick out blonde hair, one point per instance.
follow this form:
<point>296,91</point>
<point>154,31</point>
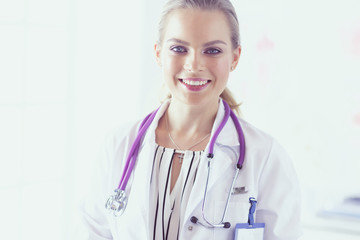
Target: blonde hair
<point>224,6</point>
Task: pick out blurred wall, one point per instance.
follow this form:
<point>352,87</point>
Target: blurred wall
<point>71,71</point>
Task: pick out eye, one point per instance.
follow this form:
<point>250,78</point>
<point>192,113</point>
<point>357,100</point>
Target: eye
<point>178,49</point>
<point>212,51</point>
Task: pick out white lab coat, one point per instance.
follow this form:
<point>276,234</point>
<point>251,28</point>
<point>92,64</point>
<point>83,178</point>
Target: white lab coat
<point>267,174</point>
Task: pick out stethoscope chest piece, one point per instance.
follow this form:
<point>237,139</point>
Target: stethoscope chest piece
<point>117,202</point>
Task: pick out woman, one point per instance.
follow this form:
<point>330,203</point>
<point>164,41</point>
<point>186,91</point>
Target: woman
<point>198,47</point>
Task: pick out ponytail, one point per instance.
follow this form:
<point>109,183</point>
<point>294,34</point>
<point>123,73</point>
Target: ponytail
<point>227,96</point>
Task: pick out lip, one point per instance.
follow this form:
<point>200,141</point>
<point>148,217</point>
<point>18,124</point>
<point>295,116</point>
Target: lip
<point>195,88</point>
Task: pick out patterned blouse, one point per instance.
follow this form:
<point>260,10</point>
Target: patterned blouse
<point>170,206</point>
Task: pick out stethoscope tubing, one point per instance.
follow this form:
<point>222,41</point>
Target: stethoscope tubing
<point>131,159</point>
<point>218,130</point>
<point>239,164</point>
<point>118,201</point>
<point>241,139</point>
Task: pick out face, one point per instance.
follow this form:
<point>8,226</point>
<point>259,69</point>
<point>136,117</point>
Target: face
<point>196,55</point>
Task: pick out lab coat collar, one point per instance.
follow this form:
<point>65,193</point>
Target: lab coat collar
<point>150,136</point>
<point>227,136</point>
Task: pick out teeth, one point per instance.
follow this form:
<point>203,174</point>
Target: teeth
<point>194,83</point>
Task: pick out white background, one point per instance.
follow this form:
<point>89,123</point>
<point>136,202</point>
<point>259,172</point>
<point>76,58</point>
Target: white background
<point>71,71</point>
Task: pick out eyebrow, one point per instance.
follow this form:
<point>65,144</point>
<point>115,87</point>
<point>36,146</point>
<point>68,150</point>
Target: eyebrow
<point>214,42</point>
<point>187,43</point>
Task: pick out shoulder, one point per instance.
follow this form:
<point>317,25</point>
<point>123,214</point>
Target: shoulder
<point>120,135</point>
<point>255,137</point>
<point>264,148</point>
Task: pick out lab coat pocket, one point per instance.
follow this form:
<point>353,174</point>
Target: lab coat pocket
<point>237,212</point>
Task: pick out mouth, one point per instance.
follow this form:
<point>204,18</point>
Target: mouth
<point>194,81</point>
<point>195,84</point>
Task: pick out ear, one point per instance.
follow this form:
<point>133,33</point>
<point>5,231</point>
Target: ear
<point>236,57</point>
<point>157,49</point>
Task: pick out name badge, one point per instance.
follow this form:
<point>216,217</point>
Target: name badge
<point>244,231</point>
<point>250,230</point>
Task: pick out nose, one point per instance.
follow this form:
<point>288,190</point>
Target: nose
<point>194,63</point>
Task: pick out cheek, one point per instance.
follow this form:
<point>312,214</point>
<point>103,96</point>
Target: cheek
<point>220,67</point>
<point>171,65</point>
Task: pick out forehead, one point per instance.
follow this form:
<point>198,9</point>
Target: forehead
<point>194,25</point>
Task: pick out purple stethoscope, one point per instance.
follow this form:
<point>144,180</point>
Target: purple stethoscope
<point>118,201</point>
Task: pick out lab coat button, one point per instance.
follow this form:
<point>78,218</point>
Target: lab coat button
<point>190,228</point>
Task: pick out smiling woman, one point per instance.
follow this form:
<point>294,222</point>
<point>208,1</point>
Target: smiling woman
<point>197,55</point>
<point>231,29</point>
<point>163,162</point>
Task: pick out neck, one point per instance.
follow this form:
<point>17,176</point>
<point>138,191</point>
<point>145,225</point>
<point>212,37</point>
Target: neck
<point>191,120</point>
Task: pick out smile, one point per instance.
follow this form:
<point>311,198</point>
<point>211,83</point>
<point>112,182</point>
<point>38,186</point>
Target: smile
<point>195,84</point>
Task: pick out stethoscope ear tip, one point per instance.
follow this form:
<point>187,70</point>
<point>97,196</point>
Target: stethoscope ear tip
<point>227,225</point>
<point>193,219</point>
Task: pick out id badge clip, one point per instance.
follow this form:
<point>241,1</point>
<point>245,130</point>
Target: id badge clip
<point>250,230</point>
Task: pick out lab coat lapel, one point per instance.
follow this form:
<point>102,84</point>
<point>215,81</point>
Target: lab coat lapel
<point>139,204</point>
<point>222,164</point>
<point>141,184</point>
